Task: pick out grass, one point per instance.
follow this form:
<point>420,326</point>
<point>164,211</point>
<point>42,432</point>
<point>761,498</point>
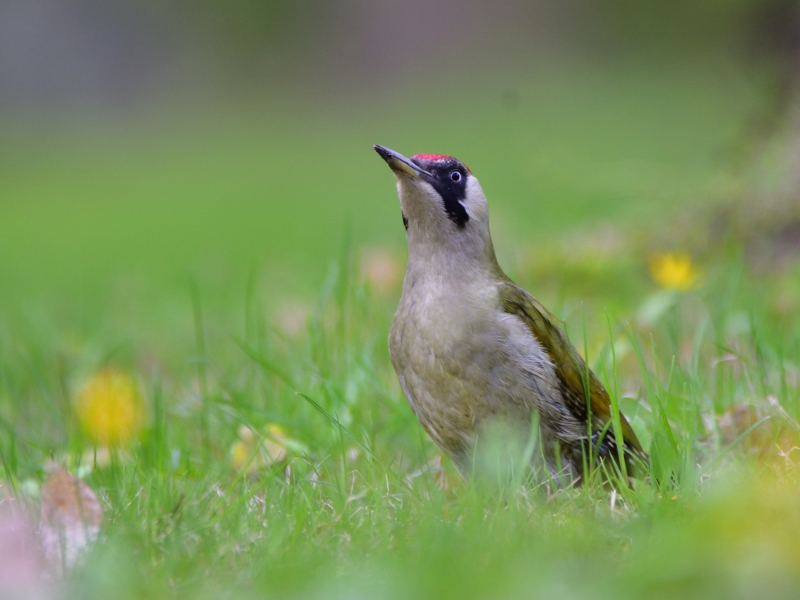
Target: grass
<point>179,293</point>
<point>358,512</point>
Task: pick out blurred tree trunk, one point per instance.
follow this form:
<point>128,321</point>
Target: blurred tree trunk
<point>770,222</point>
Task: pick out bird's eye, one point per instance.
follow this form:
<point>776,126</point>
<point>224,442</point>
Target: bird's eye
<point>455,176</point>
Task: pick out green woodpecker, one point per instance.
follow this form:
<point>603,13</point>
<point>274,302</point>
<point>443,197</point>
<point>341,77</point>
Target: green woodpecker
<point>476,355</point>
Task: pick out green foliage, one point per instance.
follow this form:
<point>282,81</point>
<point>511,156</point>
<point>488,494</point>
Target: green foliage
<point>357,507</point>
<point>689,26</point>
<point>133,208</point>
<point>361,505</point>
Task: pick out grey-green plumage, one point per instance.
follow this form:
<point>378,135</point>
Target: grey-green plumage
<point>473,350</point>
<point>573,376</point>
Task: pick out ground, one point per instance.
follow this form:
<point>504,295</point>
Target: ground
<point>224,279</point>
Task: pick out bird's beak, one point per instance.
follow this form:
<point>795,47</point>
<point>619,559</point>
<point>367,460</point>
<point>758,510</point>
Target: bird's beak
<point>398,162</point>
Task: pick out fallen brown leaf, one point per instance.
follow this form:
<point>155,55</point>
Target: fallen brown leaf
<point>381,270</point>
<point>768,439</point>
<point>735,421</point>
<point>71,518</point>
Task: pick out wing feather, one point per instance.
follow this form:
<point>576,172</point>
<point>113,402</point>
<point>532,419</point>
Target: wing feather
<point>571,369</point>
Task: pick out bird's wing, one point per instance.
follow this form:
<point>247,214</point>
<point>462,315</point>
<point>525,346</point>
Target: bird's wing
<point>570,368</point>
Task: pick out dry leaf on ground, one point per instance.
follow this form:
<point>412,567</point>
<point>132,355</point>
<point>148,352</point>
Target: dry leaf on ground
<point>71,517</point>
<point>381,270</point>
<point>763,437</point>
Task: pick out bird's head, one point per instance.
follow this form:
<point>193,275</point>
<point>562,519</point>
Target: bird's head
<point>442,202</point>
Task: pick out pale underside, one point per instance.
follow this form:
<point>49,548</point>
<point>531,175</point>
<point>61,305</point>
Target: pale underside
<point>467,366</point>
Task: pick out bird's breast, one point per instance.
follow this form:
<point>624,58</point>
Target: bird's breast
<point>461,360</point>
<point>439,322</point>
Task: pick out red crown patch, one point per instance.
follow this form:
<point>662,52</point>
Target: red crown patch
<point>435,157</point>
<point>431,156</point>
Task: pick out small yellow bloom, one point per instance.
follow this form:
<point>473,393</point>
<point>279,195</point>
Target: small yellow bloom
<point>110,410</point>
<point>251,454</point>
<point>673,271</point>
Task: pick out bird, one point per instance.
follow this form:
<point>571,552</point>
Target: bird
<point>476,353</point>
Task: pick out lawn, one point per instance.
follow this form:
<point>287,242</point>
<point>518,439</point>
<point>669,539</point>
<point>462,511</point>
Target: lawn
<point>237,268</point>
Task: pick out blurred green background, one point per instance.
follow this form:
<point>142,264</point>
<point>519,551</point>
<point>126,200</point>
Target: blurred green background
<point>143,143</point>
<point>189,194</point>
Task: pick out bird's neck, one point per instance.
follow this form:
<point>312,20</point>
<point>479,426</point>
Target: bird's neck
<point>449,260</point>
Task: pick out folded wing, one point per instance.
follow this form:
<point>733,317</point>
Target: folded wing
<point>573,375</point>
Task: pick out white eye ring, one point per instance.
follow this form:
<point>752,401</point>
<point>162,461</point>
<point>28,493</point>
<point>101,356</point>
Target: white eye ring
<point>455,176</point>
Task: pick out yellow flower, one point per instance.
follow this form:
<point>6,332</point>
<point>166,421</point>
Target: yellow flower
<point>251,454</point>
<point>673,271</point>
<point>110,410</point>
